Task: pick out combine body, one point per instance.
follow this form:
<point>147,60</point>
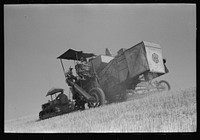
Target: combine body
<point>109,79</point>
<point>123,71</point>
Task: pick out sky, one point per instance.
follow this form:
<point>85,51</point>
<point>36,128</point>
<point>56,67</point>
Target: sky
<point>35,35</point>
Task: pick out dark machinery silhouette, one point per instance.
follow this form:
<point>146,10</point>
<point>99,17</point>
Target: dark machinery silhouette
<point>104,79</point>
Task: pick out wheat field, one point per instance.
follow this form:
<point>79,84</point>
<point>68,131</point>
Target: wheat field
<point>173,111</point>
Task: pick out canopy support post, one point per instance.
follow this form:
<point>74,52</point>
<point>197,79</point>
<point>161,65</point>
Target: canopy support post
<point>75,67</point>
<point>62,66</point>
<point>51,98</point>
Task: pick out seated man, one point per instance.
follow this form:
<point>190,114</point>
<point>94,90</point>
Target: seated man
<point>62,98</point>
<point>70,75</point>
<point>82,69</point>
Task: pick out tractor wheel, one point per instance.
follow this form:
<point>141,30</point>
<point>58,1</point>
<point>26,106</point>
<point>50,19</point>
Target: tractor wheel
<point>41,114</point>
<point>99,95</point>
<point>163,86</point>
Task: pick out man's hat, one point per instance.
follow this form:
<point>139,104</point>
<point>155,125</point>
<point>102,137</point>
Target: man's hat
<point>83,59</point>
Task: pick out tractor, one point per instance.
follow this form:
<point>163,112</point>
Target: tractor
<point>57,106</point>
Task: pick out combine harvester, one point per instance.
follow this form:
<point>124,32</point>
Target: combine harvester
<point>104,79</point>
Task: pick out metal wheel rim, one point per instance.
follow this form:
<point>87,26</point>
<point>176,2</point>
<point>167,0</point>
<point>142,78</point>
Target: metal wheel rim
<point>162,87</point>
<point>95,103</point>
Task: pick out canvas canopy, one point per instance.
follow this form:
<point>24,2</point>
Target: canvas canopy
<point>54,91</point>
<point>75,55</point>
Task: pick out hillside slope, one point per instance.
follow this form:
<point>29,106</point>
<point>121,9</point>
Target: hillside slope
<point>173,111</point>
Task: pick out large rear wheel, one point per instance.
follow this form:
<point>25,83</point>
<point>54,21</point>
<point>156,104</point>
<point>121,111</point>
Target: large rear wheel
<point>99,96</point>
<point>163,86</point>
